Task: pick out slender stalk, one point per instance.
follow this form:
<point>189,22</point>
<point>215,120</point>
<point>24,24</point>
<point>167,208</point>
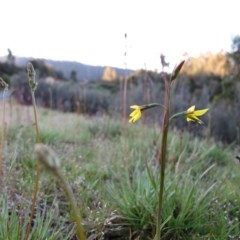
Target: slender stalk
<point>73,206</point>
<point>35,191</point>
<point>162,158</point>
<point>36,118</point>
<point>124,119</point>
<point>124,113</point>
<point>124,99</point>
<point>33,200</point>
<point>33,86</point>
<point>48,159</point>
<point>5,85</point>
<point>124,104</point>
<point>2,139</point>
<point>163,148</point>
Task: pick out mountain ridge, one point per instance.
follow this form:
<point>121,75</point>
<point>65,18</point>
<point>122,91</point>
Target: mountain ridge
<point>83,71</point>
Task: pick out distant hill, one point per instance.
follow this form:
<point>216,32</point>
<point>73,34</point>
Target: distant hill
<point>84,72</point>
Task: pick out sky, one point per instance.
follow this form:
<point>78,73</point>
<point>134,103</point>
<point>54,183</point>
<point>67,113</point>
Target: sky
<point>93,31</point>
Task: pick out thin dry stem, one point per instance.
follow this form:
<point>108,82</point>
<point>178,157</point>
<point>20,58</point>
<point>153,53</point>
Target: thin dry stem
<point>36,118</point>
<point>33,86</point>
<point>124,113</point>
<point>5,86</point>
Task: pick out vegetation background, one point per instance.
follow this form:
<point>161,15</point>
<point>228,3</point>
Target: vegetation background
<point>110,165</point>
<point>210,80</point>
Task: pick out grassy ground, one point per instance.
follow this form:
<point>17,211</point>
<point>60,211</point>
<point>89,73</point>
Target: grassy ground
<point>113,173</point>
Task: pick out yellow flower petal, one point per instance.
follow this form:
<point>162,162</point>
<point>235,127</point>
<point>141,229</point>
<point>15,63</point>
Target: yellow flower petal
<point>192,115</point>
<point>135,107</point>
<point>200,112</point>
<point>131,120</point>
<point>193,119</point>
<point>136,114</point>
<point>135,117</point>
<point>133,113</point>
<point>191,109</point>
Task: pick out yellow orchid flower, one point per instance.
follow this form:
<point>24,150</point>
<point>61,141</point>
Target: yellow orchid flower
<point>136,114</point>
<point>192,114</point>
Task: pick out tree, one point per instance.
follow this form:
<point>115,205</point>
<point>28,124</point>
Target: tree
<point>236,49</point>
<point>10,57</point>
<point>236,43</point>
<point>73,76</point>
<point>109,74</point>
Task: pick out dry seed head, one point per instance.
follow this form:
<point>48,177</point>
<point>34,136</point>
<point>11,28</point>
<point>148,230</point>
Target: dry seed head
<point>47,157</point>
<point>31,77</point>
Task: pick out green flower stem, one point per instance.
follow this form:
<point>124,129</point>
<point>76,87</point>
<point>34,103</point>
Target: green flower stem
<point>74,210</point>
<point>177,115</point>
<point>162,158</point>
<point>151,105</point>
<point>48,159</point>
